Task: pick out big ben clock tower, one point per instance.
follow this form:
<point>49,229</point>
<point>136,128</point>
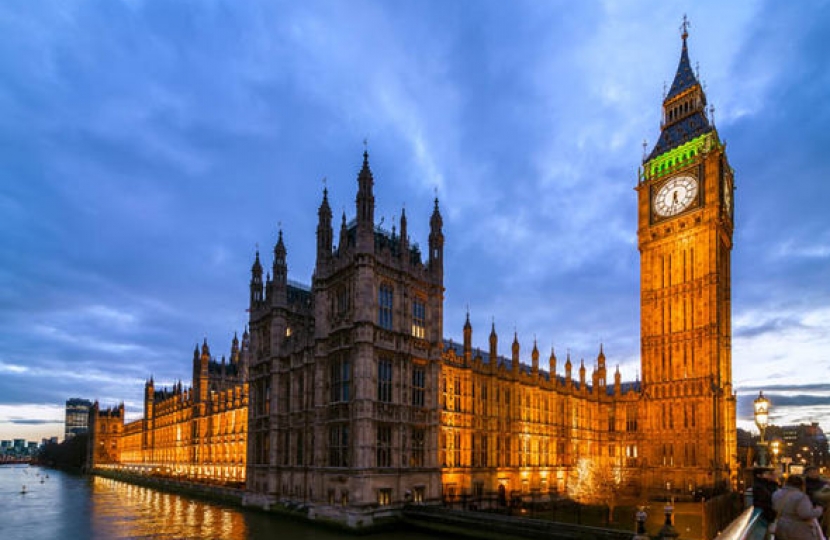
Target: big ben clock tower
<point>685,240</point>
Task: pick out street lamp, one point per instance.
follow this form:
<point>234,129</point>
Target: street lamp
<point>761,405</point>
<point>775,444</point>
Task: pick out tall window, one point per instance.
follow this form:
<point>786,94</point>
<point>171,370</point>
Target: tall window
<point>385,380</point>
<point>418,448</point>
<point>419,318</point>
<point>384,446</point>
<point>342,301</point>
<point>385,295</point>
<point>418,386</point>
<point>339,445</point>
<point>340,378</point>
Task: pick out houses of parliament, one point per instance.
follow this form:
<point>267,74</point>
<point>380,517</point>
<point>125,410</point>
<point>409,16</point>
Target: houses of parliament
<point>344,395</point>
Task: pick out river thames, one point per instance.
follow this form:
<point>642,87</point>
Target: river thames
<point>37,503</point>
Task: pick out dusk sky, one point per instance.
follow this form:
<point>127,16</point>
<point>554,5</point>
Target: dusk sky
<point>148,147</point>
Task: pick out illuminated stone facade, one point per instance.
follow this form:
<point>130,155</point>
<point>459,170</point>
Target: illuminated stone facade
<point>357,402</point>
<point>198,433</point>
<point>343,375</point>
<point>685,209</point>
<point>347,399</point>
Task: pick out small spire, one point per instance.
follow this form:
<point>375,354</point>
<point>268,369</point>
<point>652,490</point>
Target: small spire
<point>684,28</point>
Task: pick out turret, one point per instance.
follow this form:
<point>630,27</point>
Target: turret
<point>582,375</point>
<point>494,346</point>
<point>568,370</point>
<point>235,350</point>
<point>256,282</point>
<point>344,234</point>
<point>200,377</point>
<point>244,355</point>
<point>279,286</point>
<point>325,232</point>
<point>280,267</point>
<point>404,240</point>
<point>515,349</point>
<point>436,242</point>
<point>149,409</point>
<point>365,207</point>
<point>617,382</point>
<point>601,371</point>
<point>552,365</point>
<point>468,340</point>
<point>534,356</point>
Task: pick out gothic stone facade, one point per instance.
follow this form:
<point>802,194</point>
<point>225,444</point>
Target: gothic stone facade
<point>358,403</point>
<point>199,433</point>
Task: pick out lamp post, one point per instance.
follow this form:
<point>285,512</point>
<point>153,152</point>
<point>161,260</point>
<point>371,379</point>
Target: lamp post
<point>775,445</point>
<point>761,405</point>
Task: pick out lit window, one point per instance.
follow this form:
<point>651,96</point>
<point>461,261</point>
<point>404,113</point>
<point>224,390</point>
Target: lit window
<point>419,311</point>
<point>385,496</point>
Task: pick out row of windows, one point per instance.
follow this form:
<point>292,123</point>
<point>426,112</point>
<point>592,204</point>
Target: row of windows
<point>339,449</point>
<point>386,295</point>
<point>340,382</point>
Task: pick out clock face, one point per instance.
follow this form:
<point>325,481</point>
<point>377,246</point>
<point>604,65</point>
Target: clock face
<point>675,196</point>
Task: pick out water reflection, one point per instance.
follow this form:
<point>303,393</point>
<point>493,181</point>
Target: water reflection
<point>68,506</point>
<point>121,510</point>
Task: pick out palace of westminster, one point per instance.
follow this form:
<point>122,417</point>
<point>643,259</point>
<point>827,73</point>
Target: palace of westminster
<point>345,396</point>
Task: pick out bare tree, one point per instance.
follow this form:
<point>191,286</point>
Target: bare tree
<point>593,482</point>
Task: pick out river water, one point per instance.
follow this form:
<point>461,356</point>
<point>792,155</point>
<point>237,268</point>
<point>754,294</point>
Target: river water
<point>37,503</point>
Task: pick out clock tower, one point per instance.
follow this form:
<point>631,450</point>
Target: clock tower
<point>684,236</point>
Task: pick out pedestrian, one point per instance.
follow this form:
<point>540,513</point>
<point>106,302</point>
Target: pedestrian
<point>796,514</point>
<point>764,484</point>
<point>819,492</point>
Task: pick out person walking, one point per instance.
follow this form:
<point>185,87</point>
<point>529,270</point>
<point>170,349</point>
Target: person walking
<point>796,514</point>
<point>764,485</point>
<point>817,489</point>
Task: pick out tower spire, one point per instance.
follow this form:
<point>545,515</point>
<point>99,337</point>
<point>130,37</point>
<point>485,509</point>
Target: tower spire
<point>325,233</point>
<point>684,105</point>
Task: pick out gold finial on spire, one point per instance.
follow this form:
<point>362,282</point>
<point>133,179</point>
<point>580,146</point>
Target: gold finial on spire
<point>684,27</point>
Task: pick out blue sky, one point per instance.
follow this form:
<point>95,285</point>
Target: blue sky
<point>147,148</point>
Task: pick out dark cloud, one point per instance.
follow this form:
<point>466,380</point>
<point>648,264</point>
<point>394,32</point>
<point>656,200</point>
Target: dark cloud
<point>32,421</point>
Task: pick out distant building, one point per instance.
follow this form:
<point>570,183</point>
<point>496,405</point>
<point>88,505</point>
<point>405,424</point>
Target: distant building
<point>801,444</point>
<point>77,417</point>
<point>199,433</point>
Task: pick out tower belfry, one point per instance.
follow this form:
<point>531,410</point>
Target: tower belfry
<point>685,240</point>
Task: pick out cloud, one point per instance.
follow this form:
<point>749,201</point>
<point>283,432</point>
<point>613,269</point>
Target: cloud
<point>149,147</point>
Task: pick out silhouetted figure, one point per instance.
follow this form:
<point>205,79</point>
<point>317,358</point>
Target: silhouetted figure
<point>764,485</point>
<point>797,520</point>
